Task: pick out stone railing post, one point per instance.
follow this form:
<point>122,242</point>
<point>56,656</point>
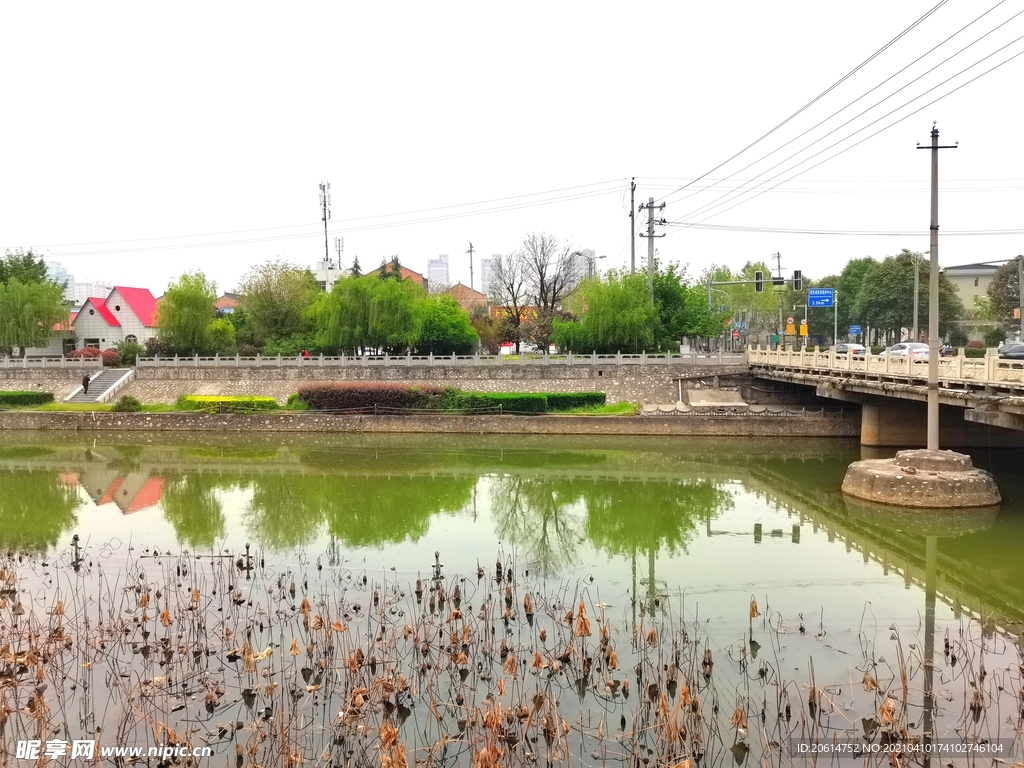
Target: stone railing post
<point>618,358</point>
<point>430,359</point>
<point>259,360</point>
<point>991,364</point>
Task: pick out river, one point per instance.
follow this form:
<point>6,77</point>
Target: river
<point>734,546</point>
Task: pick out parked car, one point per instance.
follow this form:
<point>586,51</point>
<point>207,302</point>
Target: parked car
<point>1012,352</point>
<point>846,348</point>
<point>909,349</point>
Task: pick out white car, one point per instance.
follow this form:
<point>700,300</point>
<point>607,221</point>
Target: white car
<point>909,349</point>
<point>849,348</point>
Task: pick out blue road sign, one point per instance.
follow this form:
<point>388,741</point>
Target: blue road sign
<point>855,330</point>
<point>820,297</point>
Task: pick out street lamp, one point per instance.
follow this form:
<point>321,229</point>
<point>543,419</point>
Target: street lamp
<point>591,265</point>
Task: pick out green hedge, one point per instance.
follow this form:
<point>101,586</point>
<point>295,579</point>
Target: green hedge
<point>18,399</point>
<point>226,404</point>
<point>503,402</point>
<point>127,404</point>
<point>974,352</point>
<point>565,401</point>
<point>353,395</point>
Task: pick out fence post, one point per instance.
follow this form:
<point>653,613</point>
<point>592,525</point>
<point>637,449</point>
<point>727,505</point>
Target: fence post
<point>259,360</point>
<point>593,358</point>
<point>569,358</point>
<point>719,355</point>
<point>618,358</point>
<point>175,359</point>
<point>430,359</point>
<point>643,358</point>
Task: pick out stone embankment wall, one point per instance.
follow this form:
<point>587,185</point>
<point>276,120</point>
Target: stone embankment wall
<point>630,383</point>
<point>723,426</point>
<point>61,382</point>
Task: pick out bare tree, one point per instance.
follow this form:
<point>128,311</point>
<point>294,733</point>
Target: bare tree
<point>553,270</point>
<point>510,289</point>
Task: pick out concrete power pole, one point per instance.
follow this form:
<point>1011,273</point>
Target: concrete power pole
<point>470,252</point>
<point>933,297</point>
<point>651,221</point>
<point>632,226</point>
<point>1020,292</point>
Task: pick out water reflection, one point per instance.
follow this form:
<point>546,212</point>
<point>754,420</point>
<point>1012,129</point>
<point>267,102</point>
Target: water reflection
<point>191,504</point>
<point>35,508</point>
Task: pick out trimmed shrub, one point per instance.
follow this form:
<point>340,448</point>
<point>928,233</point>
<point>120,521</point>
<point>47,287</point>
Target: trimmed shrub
<point>294,404</point>
<point>87,352</point>
<point>127,404</point>
<point>564,401</point>
<point>18,399</point>
<point>345,395</point>
<point>110,358</point>
<point>226,403</point>
<point>504,402</point>
<point>974,351</point>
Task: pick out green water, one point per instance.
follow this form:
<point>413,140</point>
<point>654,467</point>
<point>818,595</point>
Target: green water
<point>712,520</point>
<point>673,536</point>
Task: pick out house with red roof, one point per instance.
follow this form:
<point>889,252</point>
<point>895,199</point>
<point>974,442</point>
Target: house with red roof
<point>124,314</point>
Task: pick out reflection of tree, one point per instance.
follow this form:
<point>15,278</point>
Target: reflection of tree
<point>359,511</point>
<point>541,517</point>
<point>35,509</point>
<point>624,517</point>
<point>191,505</point>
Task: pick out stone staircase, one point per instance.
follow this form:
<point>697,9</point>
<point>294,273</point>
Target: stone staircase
<point>98,385</point>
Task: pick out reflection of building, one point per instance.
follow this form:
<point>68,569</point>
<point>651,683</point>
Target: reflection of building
<point>437,271</point>
<point>468,298</point>
<point>104,484</point>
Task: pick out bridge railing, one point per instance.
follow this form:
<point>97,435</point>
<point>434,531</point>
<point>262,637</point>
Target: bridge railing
<point>457,361</point>
<point>989,369</point>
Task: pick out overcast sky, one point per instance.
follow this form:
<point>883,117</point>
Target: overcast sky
<point>141,140</point>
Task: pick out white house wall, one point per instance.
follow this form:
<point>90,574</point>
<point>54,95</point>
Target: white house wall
<point>95,327</point>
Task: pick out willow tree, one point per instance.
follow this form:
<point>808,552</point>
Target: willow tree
<point>186,311</point>
<point>29,312</point>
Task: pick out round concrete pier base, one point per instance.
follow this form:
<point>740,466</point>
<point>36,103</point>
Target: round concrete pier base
<point>922,479</point>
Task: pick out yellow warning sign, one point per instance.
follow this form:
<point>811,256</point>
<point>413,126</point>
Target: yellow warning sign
<point>790,329</point>
<point>803,327</point>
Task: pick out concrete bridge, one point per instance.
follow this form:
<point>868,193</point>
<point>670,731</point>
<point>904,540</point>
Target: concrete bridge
<point>981,399</point>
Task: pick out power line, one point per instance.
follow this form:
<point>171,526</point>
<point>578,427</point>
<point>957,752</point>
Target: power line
<point>872,90</point>
<point>383,225</point>
<point>859,130</point>
<point>862,128</point>
<point>820,96</point>
<point>846,232</point>
<point>340,221</point>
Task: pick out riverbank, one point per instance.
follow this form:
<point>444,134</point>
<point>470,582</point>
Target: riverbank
<point>742,425</point>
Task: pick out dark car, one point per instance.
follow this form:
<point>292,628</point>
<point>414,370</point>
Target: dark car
<point>1012,352</point>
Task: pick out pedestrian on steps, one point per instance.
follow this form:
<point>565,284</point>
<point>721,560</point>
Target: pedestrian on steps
<point>85,385</point>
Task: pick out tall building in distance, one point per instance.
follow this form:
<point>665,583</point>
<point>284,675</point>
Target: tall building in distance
<point>437,273</point>
<point>587,263</point>
<point>486,272</point>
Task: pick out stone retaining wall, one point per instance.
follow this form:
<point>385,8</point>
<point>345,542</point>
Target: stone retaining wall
<point>635,384</point>
<point>723,426</point>
<point>60,382</point>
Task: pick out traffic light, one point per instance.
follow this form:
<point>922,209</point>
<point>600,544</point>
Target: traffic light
<point>798,280</point>
<point>759,281</point>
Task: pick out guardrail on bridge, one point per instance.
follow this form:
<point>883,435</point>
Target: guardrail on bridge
<point>966,371</point>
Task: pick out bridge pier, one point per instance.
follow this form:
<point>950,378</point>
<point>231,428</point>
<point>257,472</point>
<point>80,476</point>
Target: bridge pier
<point>895,423</point>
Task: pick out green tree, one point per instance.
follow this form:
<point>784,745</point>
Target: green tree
<point>394,319</point>
<point>220,336</point>
<point>886,296</point>
<point>186,311</point>
<point>276,296</point>
<point>29,312</point>
<point>616,315</point>
<point>356,270</point>
<point>444,327</point>
<point>489,330</point>
<point>26,266</point>
<point>343,319</point>
<point>1004,294</point>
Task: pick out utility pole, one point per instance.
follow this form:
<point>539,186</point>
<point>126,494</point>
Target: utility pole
<point>325,214</point>
<point>917,281</point>
<point>933,297</point>
<point>779,280</point>
<point>650,208</point>
<point>1020,292</point>
<point>470,252</point>
<point>632,226</point>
